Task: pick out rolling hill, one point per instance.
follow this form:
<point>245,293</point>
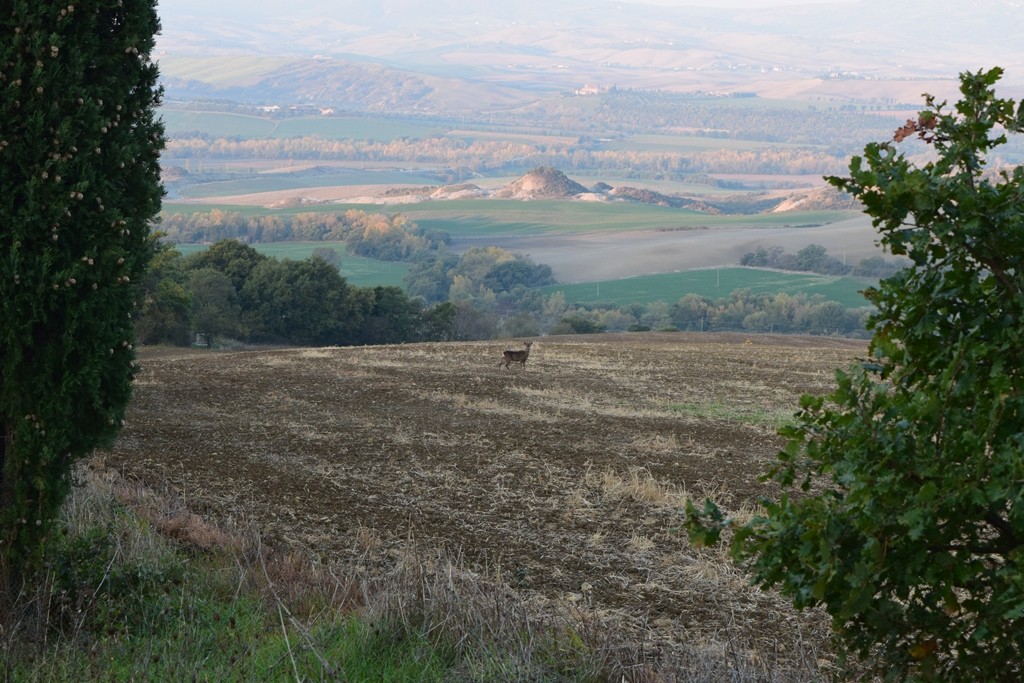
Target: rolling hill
<point>447,56</point>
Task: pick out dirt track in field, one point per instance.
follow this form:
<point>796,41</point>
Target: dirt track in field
<point>562,479</point>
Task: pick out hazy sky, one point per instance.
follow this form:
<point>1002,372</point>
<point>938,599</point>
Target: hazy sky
<point>278,4</point>
<point>734,3</point>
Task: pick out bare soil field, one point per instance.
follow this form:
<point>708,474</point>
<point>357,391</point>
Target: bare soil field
<point>562,480</point>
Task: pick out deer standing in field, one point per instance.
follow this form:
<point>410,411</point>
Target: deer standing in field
<point>516,356</point>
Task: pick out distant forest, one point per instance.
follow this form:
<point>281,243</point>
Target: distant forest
<point>468,158</point>
<point>481,294</point>
<point>372,235</point>
<point>230,293</point>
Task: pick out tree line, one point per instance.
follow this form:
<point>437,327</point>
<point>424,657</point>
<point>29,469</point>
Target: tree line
<point>815,258</point>
<point>740,311</point>
<point>465,158</point>
<point>483,293</point>
<point>231,292</point>
<point>502,291</point>
<point>373,235</point>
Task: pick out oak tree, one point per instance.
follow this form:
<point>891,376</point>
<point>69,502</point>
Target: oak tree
<point>902,511</point>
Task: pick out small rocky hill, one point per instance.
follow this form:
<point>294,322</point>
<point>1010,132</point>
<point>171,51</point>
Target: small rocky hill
<point>820,199</point>
<point>542,183</point>
<point>646,196</point>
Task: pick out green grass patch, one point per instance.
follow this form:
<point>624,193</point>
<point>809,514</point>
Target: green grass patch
<point>216,124</point>
<point>487,217</point>
<point>367,652</point>
<point>274,182</point>
<point>358,270</point>
<point>180,122</point>
<point>713,283</point>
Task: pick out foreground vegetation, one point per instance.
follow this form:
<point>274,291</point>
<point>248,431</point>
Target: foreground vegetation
<point>139,587</point>
<point>912,538</point>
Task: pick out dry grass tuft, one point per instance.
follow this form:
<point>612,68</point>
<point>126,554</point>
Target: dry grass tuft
<point>638,485</point>
<point>497,634</point>
<point>658,443</point>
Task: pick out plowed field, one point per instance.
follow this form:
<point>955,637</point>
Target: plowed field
<point>562,479</point>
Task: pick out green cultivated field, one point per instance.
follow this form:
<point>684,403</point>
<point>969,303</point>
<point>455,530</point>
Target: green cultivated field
<point>503,217</point>
<point>216,124</point>
<point>286,181</point>
<point>357,270</point>
<point>353,128</point>
<point>713,283</point>
<point>228,124</point>
<point>494,217</point>
<point>233,124</point>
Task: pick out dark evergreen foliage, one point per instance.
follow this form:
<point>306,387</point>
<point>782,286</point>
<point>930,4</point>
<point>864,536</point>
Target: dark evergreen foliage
<point>79,185</point>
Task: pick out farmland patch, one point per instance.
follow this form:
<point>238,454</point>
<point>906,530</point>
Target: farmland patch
<point>563,479</point>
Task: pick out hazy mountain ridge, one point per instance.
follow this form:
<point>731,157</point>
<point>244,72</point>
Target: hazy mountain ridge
<point>545,47</point>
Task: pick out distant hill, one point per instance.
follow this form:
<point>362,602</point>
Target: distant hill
<point>355,86</point>
<point>448,56</point>
<point>819,199</point>
<point>542,183</point>
<point>646,196</point>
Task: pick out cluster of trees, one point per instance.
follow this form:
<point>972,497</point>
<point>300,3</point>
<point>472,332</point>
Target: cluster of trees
<point>232,292</point>
<point>740,311</point>
<point>489,274</point>
<point>815,258</point>
<point>778,312</point>
<point>492,292</point>
<point>503,156</point>
<point>374,235</point>
<point>434,148</point>
<point>485,315</point>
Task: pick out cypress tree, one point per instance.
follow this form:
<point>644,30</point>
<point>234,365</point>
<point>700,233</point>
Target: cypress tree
<point>79,185</point>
